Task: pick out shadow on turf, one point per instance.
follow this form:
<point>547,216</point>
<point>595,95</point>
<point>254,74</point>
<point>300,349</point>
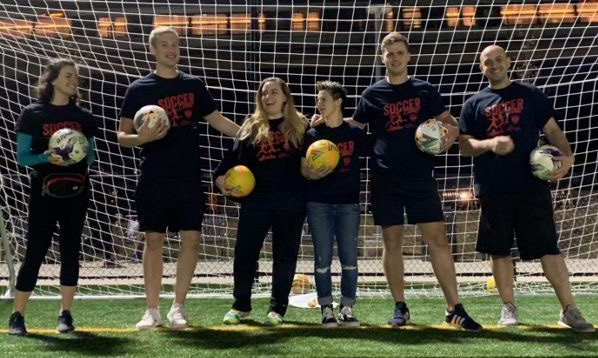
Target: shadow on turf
<point>231,339</point>
<point>84,343</point>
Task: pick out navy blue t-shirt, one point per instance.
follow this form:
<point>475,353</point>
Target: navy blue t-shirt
<point>393,113</point>
<point>343,184</point>
<point>519,111</point>
<point>275,165</point>
<point>41,119</point>
<point>186,100</point>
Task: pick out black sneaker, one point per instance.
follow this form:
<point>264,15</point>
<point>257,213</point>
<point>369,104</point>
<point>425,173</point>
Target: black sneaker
<point>16,324</point>
<point>459,318</point>
<point>65,322</point>
<point>401,315</point>
<point>346,317</point>
<point>328,320</point>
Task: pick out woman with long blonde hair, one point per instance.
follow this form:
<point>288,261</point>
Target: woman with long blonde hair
<point>270,144</point>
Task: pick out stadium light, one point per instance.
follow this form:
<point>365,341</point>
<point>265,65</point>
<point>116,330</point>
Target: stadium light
<point>17,29</point>
<point>298,21</point>
<point>412,18</point>
<point>468,16</point>
<point>588,12</point>
<point>120,27</point>
<point>452,16</point>
<point>240,23</point>
<point>519,14</point>
<point>389,23</point>
<point>179,23</point>
<point>53,25</point>
<point>261,22</point>
<point>104,27</point>
<point>557,13</point>
<point>209,24</point>
<point>313,21</point>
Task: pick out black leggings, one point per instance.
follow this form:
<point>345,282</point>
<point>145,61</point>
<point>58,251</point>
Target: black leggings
<point>254,223</point>
<point>44,212</point>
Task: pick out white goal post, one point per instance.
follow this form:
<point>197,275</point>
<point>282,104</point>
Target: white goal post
<point>233,45</point>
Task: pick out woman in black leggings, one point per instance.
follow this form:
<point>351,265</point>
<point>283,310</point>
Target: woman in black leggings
<point>59,188</point>
<point>269,144</point>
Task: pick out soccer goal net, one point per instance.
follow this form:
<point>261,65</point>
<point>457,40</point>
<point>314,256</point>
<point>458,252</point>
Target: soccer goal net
<point>233,45</point>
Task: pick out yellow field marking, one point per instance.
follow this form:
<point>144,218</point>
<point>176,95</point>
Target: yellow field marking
<point>246,328</point>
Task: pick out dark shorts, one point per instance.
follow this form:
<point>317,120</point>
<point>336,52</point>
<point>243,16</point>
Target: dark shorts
<point>172,205</point>
<point>392,197</point>
<point>526,216</point>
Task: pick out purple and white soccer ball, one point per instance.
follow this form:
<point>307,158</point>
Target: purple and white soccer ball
<point>69,144</point>
<point>543,162</point>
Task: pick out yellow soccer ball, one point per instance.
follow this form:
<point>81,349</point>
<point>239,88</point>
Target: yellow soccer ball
<point>322,154</point>
<point>490,284</point>
<point>241,179</point>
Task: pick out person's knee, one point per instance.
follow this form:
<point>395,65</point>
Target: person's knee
<point>154,244</point>
<point>437,242</point>
<point>347,268</point>
<point>190,244</point>
<point>393,245</point>
<point>323,270</point>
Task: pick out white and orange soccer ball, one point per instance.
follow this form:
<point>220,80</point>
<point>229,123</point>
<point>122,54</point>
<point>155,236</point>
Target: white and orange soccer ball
<point>69,144</point>
<point>241,180</point>
<point>543,162</point>
<point>322,154</point>
<point>151,113</point>
<point>431,136</point>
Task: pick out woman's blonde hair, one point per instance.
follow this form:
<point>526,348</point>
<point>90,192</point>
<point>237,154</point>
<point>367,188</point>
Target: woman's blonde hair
<point>256,127</point>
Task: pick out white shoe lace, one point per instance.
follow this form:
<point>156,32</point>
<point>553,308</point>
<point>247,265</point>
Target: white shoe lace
<point>177,315</point>
<point>346,312</point>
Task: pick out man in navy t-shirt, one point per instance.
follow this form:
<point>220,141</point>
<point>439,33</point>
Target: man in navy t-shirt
<point>500,126</point>
<point>402,178</point>
<point>169,193</point>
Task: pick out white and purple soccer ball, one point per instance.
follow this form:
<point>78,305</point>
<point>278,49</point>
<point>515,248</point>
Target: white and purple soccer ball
<point>543,161</point>
<point>69,144</point>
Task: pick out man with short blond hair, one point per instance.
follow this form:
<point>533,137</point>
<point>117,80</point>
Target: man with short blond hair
<point>169,193</point>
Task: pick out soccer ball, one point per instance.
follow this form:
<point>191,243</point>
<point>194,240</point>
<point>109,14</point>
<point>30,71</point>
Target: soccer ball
<point>542,161</point>
<point>152,113</point>
<point>490,284</point>
<point>301,284</point>
<point>322,154</point>
<point>69,144</point>
<point>241,179</point>
<point>431,136</point>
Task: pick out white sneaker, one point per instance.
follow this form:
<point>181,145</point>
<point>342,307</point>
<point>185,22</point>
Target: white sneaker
<point>508,315</point>
<point>151,319</point>
<point>177,317</point>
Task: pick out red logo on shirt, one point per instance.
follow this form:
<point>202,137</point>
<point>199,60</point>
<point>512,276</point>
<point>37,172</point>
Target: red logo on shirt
<point>179,108</point>
<point>276,146</point>
<point>504,117</point>
<point>401,113</point>
<point>345,150</point>
<point>49,128</point>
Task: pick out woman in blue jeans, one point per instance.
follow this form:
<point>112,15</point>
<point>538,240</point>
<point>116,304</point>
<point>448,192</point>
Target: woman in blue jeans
<point>333,204</point>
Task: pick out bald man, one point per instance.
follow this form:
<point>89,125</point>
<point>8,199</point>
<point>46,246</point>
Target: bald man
<point>500,126</point>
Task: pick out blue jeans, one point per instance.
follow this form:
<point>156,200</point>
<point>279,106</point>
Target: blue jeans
<point>327,221</point>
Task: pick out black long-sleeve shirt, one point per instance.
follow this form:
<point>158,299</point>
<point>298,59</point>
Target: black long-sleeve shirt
<point>275,165</point>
